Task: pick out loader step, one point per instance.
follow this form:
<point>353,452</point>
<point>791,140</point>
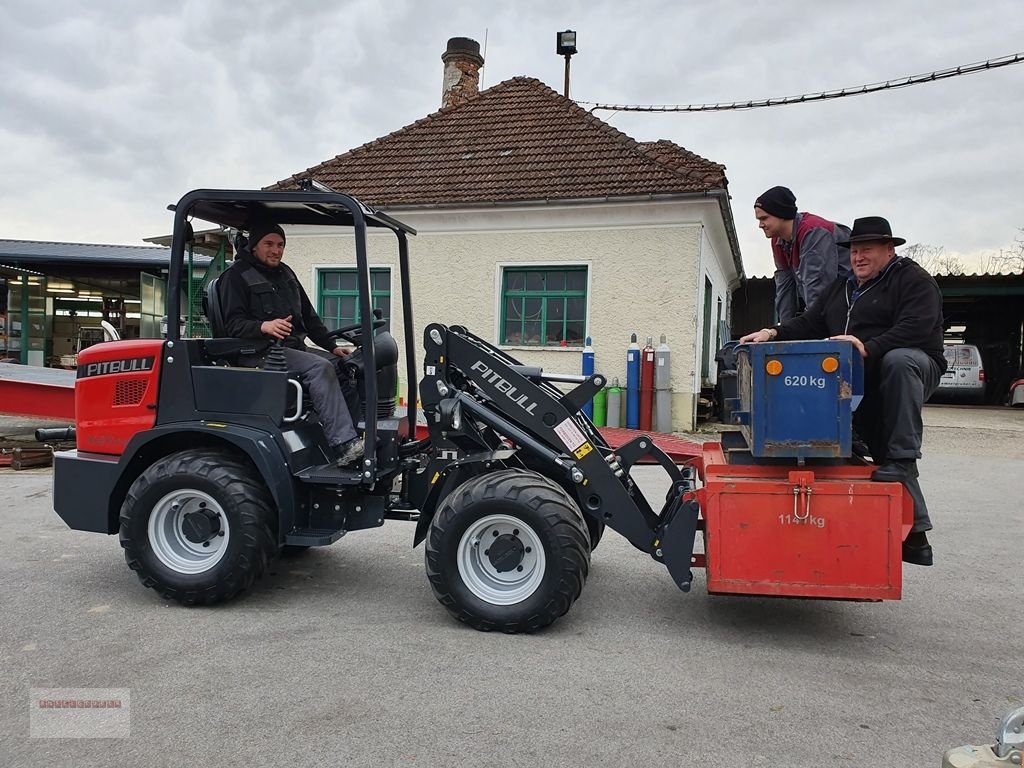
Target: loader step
<point>329,474</point>
<point>313,537</point>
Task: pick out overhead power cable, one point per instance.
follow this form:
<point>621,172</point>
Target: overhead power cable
<point>839,93</point>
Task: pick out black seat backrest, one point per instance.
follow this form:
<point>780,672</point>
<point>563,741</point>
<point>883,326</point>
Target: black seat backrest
<point>221,347</point>
<point>212,309</point>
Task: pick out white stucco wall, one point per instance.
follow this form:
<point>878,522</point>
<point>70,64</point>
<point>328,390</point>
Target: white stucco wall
<point>711,267</point>
<point>645,261</point>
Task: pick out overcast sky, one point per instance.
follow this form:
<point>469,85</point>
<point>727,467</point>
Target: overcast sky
<point>110,110</point>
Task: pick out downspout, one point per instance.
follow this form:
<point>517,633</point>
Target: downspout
<point>697,314</point>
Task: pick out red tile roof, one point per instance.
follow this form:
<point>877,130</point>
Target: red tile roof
<point>516,141</point>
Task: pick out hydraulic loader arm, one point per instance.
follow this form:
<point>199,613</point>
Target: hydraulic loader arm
<point>522,405</point>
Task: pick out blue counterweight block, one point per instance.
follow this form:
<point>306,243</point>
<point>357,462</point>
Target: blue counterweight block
<point>796,398</point>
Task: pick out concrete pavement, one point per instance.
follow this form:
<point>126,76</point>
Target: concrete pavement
<point>343,657</point>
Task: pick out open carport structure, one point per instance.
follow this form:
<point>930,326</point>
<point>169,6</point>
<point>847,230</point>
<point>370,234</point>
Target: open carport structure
<point>55,295</point>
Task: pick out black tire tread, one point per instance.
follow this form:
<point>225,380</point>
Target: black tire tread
<point>239,480</point>
<point>561,514</point>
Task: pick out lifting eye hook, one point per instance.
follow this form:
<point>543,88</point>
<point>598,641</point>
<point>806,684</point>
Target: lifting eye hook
<point>797,489</point>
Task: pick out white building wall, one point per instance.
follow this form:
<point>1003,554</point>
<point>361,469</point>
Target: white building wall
<point>711,268</point>
<point>643,262</point>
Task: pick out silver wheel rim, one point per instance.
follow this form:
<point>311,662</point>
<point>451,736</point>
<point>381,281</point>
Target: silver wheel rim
<point>167,536</point>
<point>480,575</point>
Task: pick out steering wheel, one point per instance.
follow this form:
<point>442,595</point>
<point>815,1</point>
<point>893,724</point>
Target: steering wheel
<point>353,333</point>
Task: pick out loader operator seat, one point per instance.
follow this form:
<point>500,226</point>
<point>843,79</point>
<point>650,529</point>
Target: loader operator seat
<point>213,311</point>
<point>221,348</point>
<point>224,349</point>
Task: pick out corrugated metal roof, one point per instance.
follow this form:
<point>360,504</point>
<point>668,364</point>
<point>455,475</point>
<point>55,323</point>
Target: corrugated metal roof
<point>24,252</point>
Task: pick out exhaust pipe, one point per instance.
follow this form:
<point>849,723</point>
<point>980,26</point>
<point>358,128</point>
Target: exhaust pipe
<point>55,435</point>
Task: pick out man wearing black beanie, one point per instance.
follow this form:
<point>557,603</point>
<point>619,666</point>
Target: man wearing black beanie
<point>261,298</point>
<point>807,258</point>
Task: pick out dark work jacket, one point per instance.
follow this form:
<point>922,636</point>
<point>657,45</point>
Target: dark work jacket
<point>806,265</point>
<point>901,307</point>
<point>251,293</point>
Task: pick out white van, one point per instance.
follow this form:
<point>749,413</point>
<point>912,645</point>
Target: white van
<point>964,378</point>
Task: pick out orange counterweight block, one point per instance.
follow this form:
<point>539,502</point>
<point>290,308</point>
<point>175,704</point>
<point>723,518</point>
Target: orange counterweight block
<point>822,531</point>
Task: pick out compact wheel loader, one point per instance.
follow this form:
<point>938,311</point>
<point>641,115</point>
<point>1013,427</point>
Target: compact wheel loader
<point>207,470</point>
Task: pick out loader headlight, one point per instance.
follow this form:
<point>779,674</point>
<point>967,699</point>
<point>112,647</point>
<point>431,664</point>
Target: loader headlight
<point>450,413</point>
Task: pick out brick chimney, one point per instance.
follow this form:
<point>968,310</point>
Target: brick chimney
<point>462,62</point>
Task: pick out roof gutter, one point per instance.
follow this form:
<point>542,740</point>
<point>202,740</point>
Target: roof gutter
<point>730,230</point>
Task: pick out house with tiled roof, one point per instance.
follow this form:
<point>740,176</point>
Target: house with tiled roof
<point>539,225</point>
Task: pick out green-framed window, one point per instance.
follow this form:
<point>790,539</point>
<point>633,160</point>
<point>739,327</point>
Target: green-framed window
<point>338,292</point>
<point>543,306</point>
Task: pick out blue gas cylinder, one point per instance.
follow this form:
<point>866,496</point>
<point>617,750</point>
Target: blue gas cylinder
<point>633,384</point>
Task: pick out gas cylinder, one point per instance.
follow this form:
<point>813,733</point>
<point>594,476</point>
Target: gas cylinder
<point>633,384</point>
<point>614,417</point>
<point>662,388</point>
<point>600,407</point>
<point>647,385</point>
<point>588,370</point>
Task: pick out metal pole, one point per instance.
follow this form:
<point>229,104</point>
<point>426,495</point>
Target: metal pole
<point>191,297</point>
<point>567,57</point>
<point>25,325</point>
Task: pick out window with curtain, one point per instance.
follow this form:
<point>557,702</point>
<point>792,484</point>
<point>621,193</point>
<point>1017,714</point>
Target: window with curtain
<point>338,292</point>
<point>543,306</point>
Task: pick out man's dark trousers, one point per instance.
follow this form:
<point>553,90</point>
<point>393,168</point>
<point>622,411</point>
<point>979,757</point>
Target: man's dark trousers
<point>318,373</point>
<point>889,417</point>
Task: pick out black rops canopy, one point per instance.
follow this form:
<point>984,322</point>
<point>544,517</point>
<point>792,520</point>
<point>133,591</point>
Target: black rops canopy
<point>320,206</point>
<point>240,208</point>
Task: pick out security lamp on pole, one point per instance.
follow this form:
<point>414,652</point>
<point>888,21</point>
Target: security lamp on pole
<point>566,47</point>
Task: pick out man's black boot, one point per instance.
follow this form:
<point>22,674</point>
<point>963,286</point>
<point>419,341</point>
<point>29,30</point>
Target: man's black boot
<point>917,550</point>
<point>349,453</point>
<point>859,448</point>
<point>895,471</point>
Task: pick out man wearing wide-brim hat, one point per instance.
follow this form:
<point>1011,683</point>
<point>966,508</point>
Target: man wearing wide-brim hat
<point>890,309</point>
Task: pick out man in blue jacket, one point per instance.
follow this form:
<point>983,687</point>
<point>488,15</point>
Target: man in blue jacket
<point>890,309</point>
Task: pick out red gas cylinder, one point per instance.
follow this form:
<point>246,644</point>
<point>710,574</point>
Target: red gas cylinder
<point>646,384</point>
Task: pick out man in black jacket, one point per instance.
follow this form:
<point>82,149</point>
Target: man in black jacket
<point>261,297</point>
<point>890,309</point>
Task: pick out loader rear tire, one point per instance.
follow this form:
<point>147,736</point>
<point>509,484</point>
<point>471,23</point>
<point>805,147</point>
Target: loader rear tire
<point>595,528</point>
<point>197,526</point>
<point>508,551</point>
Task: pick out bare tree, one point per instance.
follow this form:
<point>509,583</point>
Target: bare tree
<point>1010,259</point>
<point>934,259</point>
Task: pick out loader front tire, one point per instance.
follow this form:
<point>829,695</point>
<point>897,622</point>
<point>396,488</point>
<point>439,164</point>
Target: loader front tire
<point>197,526</point>
<point>508,551</point>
